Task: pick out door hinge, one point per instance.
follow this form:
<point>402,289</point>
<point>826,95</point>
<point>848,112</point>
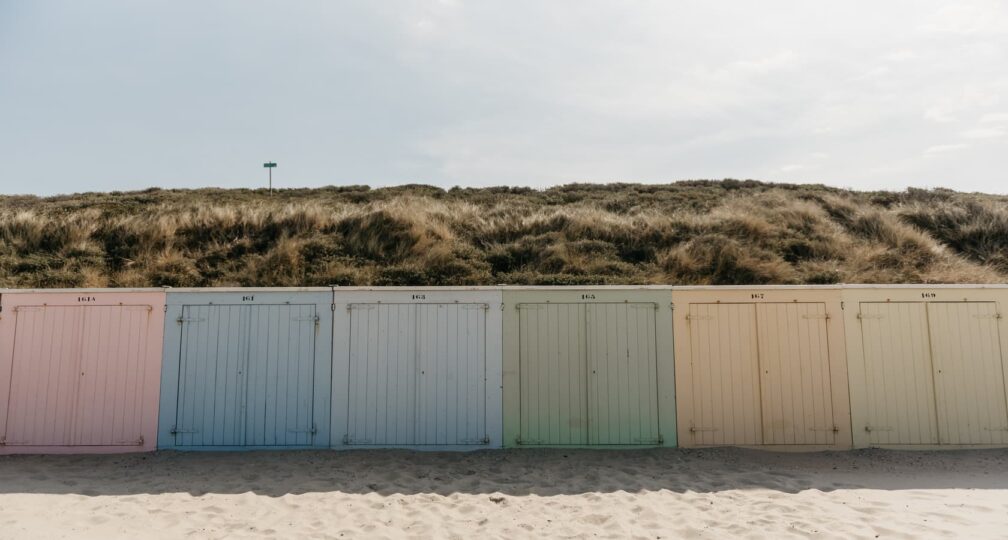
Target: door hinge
<point>870,429</point>
<point>312,431</point>
<point>181,320</point>
<point>177,431</point>
<point>869,316</point>
<point>833,429</point>
<point>702,430</point>
<point>313,318</point>
<point>817,316</point>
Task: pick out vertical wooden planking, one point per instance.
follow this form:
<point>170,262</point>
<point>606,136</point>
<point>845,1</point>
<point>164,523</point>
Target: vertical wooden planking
<point>204,362</point>
<point>553,369</point>
<point>549,403</point>
<point>969,384</point>
<point>246,376</point>
<point>481,424</point>
<point>305,422</point>
<point>109,353</point>
<point>429,386</point>
<point>567,360</point>
<point>262,334</point>
<point>426,418</point>
<point>229,425</point>
<point>359,318</point>
<point>726,375</point>
<point>622,404</point>
<point>898,370</point>
<point>75,377</point>
<point>44,377</point>
<point>581,368</point>
<point>796,389</point>
<point>529,339</point>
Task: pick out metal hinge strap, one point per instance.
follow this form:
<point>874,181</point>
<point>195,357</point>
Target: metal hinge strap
<point>313,430</point>
<point>177,431</point>
<point>702,430</point>
<point>870,429</point>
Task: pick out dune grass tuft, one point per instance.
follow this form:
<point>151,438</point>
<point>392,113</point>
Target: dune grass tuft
<point>694,232</point>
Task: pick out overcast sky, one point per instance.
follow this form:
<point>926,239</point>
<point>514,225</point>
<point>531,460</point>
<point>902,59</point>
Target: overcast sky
<point>103,95</point>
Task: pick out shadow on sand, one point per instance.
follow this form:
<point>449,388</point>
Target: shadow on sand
<point>509,472</point>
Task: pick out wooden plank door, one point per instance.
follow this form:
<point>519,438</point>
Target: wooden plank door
<point>724,359</point>
<point>795,387</point>
<point>899,381</point>
<point>622,376</point>
<point>969,373</point>
<point>552,374</point>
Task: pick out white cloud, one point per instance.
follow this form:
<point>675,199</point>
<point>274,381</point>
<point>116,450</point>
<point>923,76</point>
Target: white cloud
<point>998,118</point>
<point>985,133</point>
<point>504,92</point>
<point>944,148</point>
<point>969,17</point>
<point>901,56</point>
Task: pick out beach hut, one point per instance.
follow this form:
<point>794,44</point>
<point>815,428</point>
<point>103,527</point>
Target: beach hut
<point>79,370</point>
<point>761,366</point>
<point>246,368</point>
<point>927,365</point>
<point>417,368</point>
<point>588,367</point>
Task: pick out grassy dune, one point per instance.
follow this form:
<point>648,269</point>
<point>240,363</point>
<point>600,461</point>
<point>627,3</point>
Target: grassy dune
<point>697,232</point>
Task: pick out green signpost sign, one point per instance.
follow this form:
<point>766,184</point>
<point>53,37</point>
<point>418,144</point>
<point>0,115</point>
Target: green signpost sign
<point>270,165</point>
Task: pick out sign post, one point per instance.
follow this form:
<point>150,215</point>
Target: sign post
<point>270,165</point>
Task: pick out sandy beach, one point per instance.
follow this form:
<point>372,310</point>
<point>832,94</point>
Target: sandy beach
<point>507,494</point>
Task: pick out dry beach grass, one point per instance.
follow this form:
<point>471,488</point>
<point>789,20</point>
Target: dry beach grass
<point>697,232</point>
<point>508,494</point>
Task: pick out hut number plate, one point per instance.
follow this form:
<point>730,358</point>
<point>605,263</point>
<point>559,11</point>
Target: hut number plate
<point>86,299</point>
